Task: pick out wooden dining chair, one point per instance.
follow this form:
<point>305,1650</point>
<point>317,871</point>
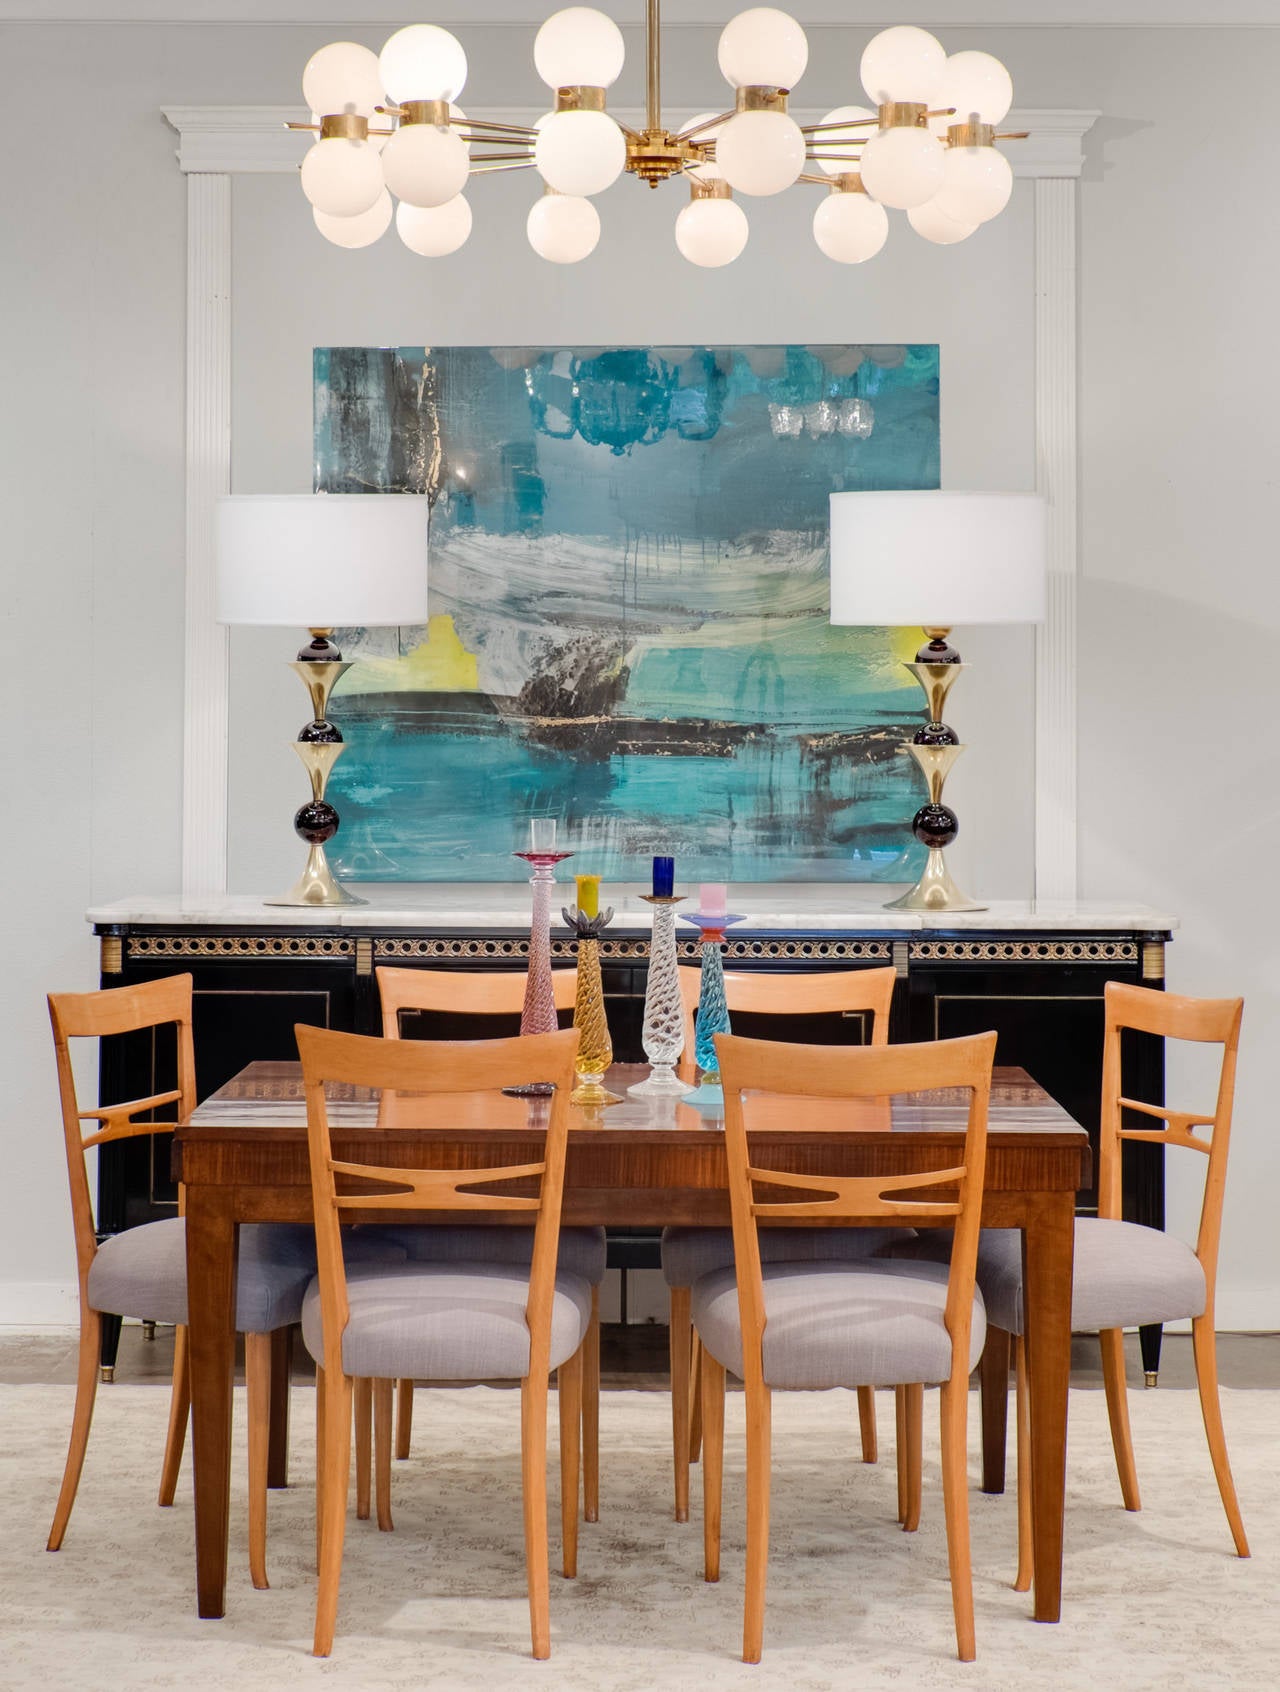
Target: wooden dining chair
<point>444,1321</point>
<point>582,1250</point>
<point>877,1322</point>
<point>1125,1274</point>
<point>688,1253</point>
<point>142,1272</point>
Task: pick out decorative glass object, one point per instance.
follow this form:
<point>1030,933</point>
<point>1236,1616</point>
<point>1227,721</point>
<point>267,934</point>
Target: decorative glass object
<point>595,1048</point>
<point>663,1033</point>
<point>713,1010</point>
<point>539,1013</point>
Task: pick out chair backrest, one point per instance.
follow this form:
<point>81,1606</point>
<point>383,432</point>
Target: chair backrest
<point>1173,1017</point>
<point>97,1016</point>
<point>813,993</point>
<point>439,1067</point>
<point>858,1072</point>
<point>462,992</point>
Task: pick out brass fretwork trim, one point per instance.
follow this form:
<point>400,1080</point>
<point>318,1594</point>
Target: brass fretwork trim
<point>111,961</point>
<point>1025,951</point>
<point>1153,960</point>
<point>619,949</point>
<point>282,946</point>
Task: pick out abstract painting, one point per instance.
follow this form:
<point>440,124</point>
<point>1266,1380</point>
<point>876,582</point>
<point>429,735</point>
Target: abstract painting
<point>629,610</point>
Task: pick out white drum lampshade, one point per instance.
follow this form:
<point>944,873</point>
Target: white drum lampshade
<point>937,559</point>
<point>934,560</point>
<point>322,561</point>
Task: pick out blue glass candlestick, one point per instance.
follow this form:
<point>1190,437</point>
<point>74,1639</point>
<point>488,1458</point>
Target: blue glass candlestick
<point>664,877</point>
<point>713,1009</point>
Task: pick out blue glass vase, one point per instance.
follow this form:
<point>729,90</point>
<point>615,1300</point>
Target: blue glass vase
<point>713,1009</point>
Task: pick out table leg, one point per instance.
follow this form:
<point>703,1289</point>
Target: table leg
<point>1048,1245</point>
<point>993,1377</point>
<point>278,1436</point>
<point>211,1279</point>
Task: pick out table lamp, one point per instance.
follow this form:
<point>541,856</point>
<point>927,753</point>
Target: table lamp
<point>321,562</point>
<point>936,559</point>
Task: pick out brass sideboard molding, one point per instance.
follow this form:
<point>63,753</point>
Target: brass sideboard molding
<point>619,949</point>
<point>1025,951</point>
<point>286,947</point>
<point>111,961</point>
<point>364,957</point>
<point>1153,960</point>
<point>901,955</point>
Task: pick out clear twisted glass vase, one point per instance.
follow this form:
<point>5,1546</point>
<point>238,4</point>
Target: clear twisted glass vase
<point>663,1033</point>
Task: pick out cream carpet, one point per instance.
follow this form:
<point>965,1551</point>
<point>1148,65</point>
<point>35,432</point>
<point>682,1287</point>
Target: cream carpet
<point>1151,1600</point>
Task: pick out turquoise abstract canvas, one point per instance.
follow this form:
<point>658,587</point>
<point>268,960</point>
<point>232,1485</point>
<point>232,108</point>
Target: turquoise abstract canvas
<point>628,610</point>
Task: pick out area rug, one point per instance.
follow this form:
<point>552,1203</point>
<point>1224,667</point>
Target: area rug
<point>1155,1599</point>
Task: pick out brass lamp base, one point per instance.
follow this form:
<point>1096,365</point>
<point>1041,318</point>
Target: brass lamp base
<point>935,890</point>
<point>317,886</point>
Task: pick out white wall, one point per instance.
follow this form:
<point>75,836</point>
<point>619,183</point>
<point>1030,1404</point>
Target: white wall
<point>1179,372</point>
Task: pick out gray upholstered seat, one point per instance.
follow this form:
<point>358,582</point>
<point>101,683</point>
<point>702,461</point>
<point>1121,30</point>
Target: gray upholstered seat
<point>690,1253</point>
<point>446,1321</point>
<point>143,1272</point>
<point>839,1324</point>
<point>582,1250</point>
<point>1125,1275</point>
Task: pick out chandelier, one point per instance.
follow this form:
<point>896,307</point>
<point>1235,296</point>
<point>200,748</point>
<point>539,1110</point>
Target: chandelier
<point>388,125</point>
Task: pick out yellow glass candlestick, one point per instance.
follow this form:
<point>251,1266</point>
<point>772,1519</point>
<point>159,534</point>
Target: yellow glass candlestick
<point>588,895</point>
<point>595,1048</point>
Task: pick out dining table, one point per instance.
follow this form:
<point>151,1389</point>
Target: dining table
<point>644,1162</point>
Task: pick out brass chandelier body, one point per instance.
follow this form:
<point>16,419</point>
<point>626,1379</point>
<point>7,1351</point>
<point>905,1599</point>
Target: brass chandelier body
<point>352,206</point>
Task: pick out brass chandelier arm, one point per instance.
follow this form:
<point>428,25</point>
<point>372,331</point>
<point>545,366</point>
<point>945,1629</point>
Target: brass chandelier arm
<point>502,158</point>
<point>506,128</point>
<point>653,65</point>
<point>507,164</point>
<point>707,123</point>
<point>849,123</point>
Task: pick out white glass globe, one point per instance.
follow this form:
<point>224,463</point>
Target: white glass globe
<point>933,223</point>
<point>902,167</point>
<point>760,152</point>
<point>711,232</point>
<point>342,77</point>
<point>425,165</point>
<point>423,62</point>
<point>763,48</point>
<point>903,64</point>
<point>341,177</point>
<point>838,141</point>
<point>579,48</point>
<point>579,153</point>
<point>850,227</point>
<point>563,228</point>
<point>975,82</point>
<point>709,172</point>
<point>976,183</point>
<point>433,231</point>
<point>360,231</point>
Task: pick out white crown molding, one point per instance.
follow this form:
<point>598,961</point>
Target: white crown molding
<point>254,138</point>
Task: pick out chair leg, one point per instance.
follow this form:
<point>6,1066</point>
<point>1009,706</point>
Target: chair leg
<point>404,1418</point>
<point>1112,1343</point>
<point>711,1378</point>
<point>257,1386</point>
<point>320,1396</point>
<point>1204,1346</point>
<point>86,1391</point>
<point>335,1478</point>
<point>759,1443</point>
<point>913,1401</point>
<point>533,1465</point>
<point>179,1410</point>
<point>591,1414</point>
<point>900,1446</point>
<point>569,1392</point>
<point>362,1392</point>
<point>382,1395</point>
<point>993,1380</point>
<point>681,1342</point>
<point>695,1395</point>
<point>867,1424</point>
<point>1026,1542</point>
<point>955,1496</point>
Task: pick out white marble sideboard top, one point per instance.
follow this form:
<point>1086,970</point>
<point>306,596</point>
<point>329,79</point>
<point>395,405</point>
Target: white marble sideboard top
<point>783,906</point>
